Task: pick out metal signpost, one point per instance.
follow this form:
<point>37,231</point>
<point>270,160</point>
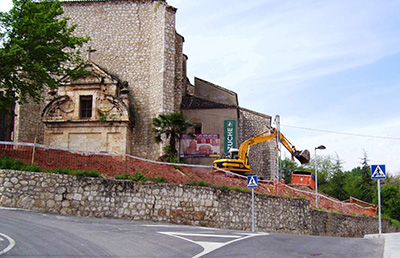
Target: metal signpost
<point>379,172</point>
<point>252,182</point>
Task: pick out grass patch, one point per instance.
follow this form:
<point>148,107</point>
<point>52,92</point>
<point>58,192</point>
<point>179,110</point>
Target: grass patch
<point>86,173</point>
<point>124,176</point>
<point>223,187</point>
<point>239,189</point>
<point>16,164</point>
<point>140,177</point>
<point>200,183</point>
<point>31,168</point>
<point>395,223</point>
<point>10,163</point>
<point>160,179</point>
<point>61,171</point>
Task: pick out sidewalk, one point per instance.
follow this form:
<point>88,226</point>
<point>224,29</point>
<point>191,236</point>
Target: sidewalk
<point>392,244</point>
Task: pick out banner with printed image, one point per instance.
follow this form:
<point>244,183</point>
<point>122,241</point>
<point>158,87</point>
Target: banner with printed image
<point>202,146</point>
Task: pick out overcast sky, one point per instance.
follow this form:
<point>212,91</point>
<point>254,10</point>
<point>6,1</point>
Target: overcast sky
<point>326,67</point>
<point>321,65</point>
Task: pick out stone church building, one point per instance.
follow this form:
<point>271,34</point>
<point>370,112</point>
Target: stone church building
<point>138,71</point>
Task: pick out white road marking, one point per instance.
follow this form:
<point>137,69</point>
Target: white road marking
<point>199,235</point>
<point>209,246</point>
<point>178,226</point>
<point>10,245</point>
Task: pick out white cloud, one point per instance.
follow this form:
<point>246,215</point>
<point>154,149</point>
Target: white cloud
<point>294,41</point>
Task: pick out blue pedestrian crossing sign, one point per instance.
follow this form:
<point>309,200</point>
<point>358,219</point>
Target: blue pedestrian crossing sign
<point>378,172</point>
<point>252,182</point>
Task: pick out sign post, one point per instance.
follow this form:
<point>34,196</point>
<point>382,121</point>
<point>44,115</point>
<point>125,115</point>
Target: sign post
<point>252,182</point>
<point>379,172</point>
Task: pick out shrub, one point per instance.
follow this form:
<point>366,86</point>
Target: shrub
<point>395,223</point>
<point>200,183</point>
<point>138,176</point>
<point>160,180</point>
<point>223,187</point>
<point>31,168</point>
<point>239,189</point>
<point>62,171</point>
<point>18,165</point>
<point>172,159</point>
<point>123,176</point>
<point>90,173</point>
<point>9,163</point>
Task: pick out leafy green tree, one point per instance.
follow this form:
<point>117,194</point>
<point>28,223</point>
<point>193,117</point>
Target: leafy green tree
<point>287,166</point>
<point>337,179</point>
<point>172,126</point>
<point>325,170</point>
<point>36,45</point>
<point>359,184</point>
<point>390,201</point>
<point>336,183</point>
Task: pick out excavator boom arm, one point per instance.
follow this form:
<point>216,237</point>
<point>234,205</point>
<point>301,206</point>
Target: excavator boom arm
<point>302,156</point>
<point>244,147</point>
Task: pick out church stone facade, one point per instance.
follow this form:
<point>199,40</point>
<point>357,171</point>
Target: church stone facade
<point>89,114</point>
<point>138,72</point>
<point>136,41</point>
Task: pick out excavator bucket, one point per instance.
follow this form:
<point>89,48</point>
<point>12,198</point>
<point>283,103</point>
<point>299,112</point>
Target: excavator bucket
<point>302,156</point>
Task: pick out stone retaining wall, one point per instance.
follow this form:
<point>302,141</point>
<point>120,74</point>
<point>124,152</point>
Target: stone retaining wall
<point>182,204</point>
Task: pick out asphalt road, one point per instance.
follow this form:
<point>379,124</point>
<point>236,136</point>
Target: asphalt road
<point>32,234</point>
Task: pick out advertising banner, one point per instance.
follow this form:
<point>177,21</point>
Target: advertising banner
<point>202,146</point>
<point>229,135</point>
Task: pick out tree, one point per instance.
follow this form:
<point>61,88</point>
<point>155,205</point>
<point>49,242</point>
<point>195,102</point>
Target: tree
<point>325,169</point>
<point>287,166</point>
<point>171,126</point>
<point>36,45</point>
<point>390,196</point>
<point>336,181</point>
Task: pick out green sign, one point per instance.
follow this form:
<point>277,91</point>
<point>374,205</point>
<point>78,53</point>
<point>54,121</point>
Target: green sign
<point>229,135</point>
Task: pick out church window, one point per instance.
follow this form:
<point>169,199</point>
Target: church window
<point>197,129</point>
<point>85,106</point>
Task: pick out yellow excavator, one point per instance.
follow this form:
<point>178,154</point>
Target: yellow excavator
<point>237,160</point>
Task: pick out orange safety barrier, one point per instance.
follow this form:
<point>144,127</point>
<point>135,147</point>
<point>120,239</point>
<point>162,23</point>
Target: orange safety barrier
<point>112,164</point>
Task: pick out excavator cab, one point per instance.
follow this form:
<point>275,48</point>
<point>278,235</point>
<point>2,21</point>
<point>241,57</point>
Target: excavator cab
<point>232,153</point>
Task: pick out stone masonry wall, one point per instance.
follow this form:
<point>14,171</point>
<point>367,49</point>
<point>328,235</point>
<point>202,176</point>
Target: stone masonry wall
<point>262,155</point>
<point>28,123</point>
<point>134,40</point>
<point>183,204</point>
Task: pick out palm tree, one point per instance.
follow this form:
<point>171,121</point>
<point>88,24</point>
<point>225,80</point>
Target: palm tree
<point>171,125</point>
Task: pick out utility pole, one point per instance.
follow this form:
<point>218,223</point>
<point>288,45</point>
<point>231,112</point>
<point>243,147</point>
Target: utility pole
<point>278,144</point>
